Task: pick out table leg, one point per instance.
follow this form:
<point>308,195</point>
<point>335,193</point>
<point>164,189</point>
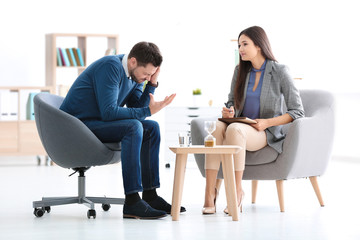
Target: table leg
<point>179,176</point>
<point>229,176</point>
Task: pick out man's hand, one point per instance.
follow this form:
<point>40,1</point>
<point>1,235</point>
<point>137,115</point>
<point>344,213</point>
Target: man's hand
<point>153,78</point>
<point>157,106</point>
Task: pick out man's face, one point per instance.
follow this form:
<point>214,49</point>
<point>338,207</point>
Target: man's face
<point>139,73</point>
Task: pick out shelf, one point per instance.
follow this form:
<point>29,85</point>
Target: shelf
<point>19,88</point>
<point>84,35</point>
<point>80,41</point>
<point>73,67</point>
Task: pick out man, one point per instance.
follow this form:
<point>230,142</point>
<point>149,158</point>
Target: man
<point>98,97</point>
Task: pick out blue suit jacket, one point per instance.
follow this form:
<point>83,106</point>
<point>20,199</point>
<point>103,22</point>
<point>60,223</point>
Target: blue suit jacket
<point>103,89</point>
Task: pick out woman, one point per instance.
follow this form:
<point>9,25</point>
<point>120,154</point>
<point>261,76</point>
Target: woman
<point>259,89</point>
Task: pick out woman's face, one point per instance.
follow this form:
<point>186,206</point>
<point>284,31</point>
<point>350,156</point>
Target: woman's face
<point>247,49</point>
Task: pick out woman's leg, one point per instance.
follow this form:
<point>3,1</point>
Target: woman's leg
<point>212,164</point>
<point>210,193</point>
<point>249,139</point>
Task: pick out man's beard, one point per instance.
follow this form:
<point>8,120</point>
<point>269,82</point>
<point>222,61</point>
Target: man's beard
<point>132,75</point>
<point>134,78</point>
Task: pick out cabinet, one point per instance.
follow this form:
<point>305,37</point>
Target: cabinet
<point>178,119</point>
<point>18,136</point>
<point>60,84</point>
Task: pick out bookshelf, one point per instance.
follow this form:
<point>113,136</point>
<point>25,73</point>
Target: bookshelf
<point>79,41</point>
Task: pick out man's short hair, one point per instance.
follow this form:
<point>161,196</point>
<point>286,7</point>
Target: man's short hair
<point>146,52</point>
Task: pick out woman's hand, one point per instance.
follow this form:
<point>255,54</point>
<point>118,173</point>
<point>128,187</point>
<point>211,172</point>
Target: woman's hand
<point>228,112</point>
<point>261,124</point>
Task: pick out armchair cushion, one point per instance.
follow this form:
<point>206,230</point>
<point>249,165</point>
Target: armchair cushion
<point>262,156</point>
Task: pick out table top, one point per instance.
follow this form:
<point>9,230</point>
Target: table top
<point>221,149</point>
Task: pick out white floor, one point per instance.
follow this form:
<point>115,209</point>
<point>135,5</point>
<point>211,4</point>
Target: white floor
<point>22,181</point>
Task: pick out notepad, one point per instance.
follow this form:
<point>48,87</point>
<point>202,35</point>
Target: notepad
<point>237,119</point>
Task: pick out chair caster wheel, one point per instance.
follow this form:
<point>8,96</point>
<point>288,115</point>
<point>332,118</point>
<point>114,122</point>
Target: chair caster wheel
<point>167,165</point>
<point>47,209</point>
<point>91,213</point>
<point>106,207</point>
<point>39,212</point>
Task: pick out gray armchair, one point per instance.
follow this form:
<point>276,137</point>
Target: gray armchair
<point>70,144</point>
<point>306,150</point>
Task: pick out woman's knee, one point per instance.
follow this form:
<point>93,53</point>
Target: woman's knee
<point>237,129</point>
<point>221,126</point>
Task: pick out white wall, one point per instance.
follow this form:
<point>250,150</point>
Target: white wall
<point>318,40</point>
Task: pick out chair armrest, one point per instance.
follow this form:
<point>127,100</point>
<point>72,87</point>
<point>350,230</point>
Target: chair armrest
<point>307,146</point>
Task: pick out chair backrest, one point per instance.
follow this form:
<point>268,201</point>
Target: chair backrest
<point>67,140</point>
<point>315,101</point>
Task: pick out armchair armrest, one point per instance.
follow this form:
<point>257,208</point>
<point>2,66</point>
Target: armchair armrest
<point>307,145</point>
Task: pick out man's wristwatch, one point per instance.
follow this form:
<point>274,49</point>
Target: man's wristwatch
<point>153,85</point>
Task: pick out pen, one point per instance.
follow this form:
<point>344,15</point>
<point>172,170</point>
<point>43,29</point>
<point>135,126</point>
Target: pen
<point>230,110</point>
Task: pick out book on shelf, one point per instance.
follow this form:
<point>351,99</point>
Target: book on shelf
<point>71,57</point>
<point>30,106</point>
<point>80,57</point>
<point>68,57</point>
<point>66,61</point>
<point>76,55</point>
<point>8,105</point>
<point>58,57</point>
<point>61,57</point>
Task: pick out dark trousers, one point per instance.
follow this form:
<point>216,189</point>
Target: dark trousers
<point>140,143</point>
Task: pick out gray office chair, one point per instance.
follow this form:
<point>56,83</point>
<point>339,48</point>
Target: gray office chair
<point>306,150</point>
<point>70,144</point>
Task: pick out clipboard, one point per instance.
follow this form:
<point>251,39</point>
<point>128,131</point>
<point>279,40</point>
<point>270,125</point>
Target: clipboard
<point>237,119</point>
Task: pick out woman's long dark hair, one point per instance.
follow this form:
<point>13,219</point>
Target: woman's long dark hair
<point>260,39</point>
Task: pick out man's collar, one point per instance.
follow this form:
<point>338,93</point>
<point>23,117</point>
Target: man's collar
<point>125,65</point>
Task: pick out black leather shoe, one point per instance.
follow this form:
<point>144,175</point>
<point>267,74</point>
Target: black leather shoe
<point>160,204</point>
<point>142,210</point>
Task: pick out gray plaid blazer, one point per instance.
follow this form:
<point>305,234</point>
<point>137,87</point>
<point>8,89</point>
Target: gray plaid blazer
<point>278,96</point>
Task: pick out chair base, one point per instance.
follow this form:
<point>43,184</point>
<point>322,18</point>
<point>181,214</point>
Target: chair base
<point>88,201</point>
<point>44,205</point>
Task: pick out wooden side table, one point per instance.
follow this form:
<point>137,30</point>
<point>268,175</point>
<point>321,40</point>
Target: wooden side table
<point>226,152</point>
